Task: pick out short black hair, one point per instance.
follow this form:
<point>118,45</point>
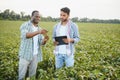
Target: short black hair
<point>34,12</point>
<point>66,10</point>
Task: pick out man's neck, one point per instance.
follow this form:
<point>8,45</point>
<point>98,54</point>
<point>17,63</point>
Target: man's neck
<point>64,23</point>
<point>36,25</point>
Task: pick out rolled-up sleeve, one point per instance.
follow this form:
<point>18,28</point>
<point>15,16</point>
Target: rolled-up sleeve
<point>76,35</point>
<point>23,30</point>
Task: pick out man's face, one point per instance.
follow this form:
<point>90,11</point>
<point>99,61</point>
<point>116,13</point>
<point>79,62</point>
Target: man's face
<point>64,16</point>
<point>35,18</point>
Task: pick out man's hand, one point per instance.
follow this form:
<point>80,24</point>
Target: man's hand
<point>43,31</point>
<point>68,40</point>
<point>55,43</point>
<point>32,34</point>
<point>46,38</point>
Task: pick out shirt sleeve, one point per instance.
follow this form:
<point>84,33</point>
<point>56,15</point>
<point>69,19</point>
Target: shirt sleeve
<point>23,30</point>
<point>54,33</point>
<point>76,35</point>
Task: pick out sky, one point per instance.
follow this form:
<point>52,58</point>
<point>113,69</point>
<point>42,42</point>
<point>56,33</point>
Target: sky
<point>100,9</point>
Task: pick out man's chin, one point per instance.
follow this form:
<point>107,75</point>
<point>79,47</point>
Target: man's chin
<point>36,22</point>
<point>63,20</point>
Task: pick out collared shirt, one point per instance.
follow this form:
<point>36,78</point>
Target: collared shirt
<point>73,33</point>
<point>26,46</point>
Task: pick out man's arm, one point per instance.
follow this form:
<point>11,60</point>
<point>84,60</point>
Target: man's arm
<point>68,40</point>
<point>76,35</point>
<point>75,38</point>
<point>32,34</point>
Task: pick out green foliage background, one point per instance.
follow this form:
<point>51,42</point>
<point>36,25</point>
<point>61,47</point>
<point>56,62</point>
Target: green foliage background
<point>97,55</point>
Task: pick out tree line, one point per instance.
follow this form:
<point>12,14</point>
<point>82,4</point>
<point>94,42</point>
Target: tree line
<point>12,15</point>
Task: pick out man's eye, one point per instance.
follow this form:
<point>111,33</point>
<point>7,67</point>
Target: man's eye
<point>62,15</point>
<point>37,16</point>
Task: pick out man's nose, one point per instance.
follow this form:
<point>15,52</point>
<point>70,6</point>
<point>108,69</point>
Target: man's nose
<point>61,16</point>
<point>38,18</point>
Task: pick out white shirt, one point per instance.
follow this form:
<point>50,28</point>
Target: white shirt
<point>35,42</point>
<point>62,32</point>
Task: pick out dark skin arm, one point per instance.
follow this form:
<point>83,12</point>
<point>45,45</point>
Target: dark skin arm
<point>32,34</point>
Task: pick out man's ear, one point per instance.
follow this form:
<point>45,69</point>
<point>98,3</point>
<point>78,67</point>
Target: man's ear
<point>69,16</point>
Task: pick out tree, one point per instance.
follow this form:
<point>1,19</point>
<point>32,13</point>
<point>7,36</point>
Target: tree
<point>6,14</point>
<point>13,15</point>
<point>75,19</point>
<point>84,19</point>
<point>22,14</point>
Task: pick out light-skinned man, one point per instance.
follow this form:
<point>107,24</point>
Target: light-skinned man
<point>64,52</point>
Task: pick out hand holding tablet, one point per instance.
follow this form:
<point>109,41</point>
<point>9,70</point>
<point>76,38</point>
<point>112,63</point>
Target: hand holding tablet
<point>60,40</point>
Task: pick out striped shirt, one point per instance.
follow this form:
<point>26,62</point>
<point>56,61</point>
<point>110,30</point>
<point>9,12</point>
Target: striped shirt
<point>27,45</point>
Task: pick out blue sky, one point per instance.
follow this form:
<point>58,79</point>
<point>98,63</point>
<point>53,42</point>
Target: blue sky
<point>101,9</point>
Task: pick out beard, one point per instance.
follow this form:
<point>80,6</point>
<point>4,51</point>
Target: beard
<point>64,20</point>
<point>35,21</point>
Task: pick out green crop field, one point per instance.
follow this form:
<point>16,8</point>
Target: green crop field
<point>97,55</point>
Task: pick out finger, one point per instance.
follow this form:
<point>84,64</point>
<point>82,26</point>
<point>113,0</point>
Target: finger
<point>45,30</point>
<point>64,39</point>
<point>46,37</point>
